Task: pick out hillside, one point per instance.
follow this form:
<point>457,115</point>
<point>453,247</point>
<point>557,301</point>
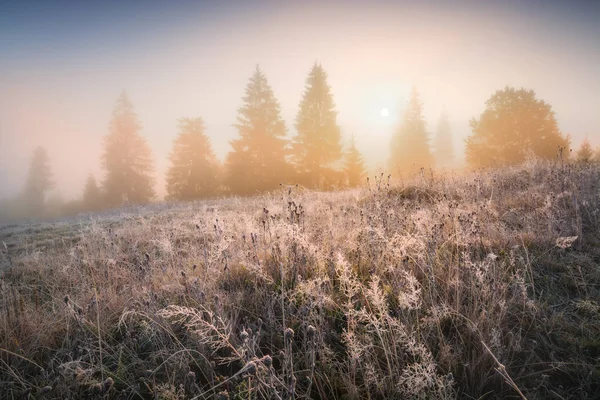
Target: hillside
<point>477,286</point>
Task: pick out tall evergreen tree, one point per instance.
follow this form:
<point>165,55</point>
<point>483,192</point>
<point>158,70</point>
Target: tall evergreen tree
<point>127,158</point>
<point>444,148</point>
<point>194,167</point>
<point>258,160</point>
<point>317,142</point>
<point>39,182</point>
<point>585,153</point>
<point>410,144</point>
<point>354,165</point>
<point>92,195</point>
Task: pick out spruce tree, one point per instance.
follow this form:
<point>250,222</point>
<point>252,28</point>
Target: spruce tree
<point>39,182</point>
<point>127,159</point>
<point>444,148</point>
<point>354,165</point>
<point>194,167</point>
<point>317,142</point>
<point>258,159</point>
<point>410,143</point>
<point>585,154</point>
<point>92,195</point>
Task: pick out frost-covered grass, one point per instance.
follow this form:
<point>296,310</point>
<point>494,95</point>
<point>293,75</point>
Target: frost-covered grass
<point>479,286</point>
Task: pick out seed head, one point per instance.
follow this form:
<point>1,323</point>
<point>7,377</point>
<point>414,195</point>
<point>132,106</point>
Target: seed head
<point>267,361</point>
<point>107,384</point>
<point>289,334</point>
<point>97,388</point>
<point>250,368</point>
<point>310,331</point>
<point>224,395</point>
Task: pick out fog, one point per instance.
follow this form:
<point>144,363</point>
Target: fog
<point>62,67</point>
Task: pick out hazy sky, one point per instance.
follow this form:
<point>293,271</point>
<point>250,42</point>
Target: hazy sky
<point>64,63</point>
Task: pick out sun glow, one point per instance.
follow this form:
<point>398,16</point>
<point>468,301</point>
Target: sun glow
<point>385,112</point>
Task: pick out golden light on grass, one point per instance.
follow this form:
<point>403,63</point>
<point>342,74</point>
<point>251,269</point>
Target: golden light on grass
<point>383,268</point>
<point>376,203</point>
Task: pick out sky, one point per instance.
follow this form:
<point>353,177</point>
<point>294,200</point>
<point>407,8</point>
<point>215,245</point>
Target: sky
<point>64,63</point>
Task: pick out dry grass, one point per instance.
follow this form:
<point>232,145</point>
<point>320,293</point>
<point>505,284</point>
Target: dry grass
<point>449,287</point>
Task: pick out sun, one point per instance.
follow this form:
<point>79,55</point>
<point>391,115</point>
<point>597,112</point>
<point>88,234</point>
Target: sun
<point>385,112</point>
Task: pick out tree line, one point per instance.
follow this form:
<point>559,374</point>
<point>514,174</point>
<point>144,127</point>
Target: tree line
<point>515,125</point>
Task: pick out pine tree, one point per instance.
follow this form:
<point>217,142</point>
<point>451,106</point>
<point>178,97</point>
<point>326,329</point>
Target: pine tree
<point>92,195</point>
<point>258,160</point>
<point>354,165</point>
<point>317,143</point>
<point>194,167</point>
<point>410,143</point>
<point>585,154</point>
<point>127,159</point>
<point>39,182</point>
<point>444,148</point>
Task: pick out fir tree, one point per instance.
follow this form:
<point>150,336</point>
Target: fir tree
<point>317,143</point>
<point>127,159</point>
<point>39,182</point>
<point>444,148</point>
<point>354,165</point>
<point>92,195</point>
<point>585,154</point>
<point>194,168</point>
<point>410,144</point>
<point>258,159</point>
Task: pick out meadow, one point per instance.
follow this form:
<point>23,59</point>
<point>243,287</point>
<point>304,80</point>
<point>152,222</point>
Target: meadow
<point>476,286</point>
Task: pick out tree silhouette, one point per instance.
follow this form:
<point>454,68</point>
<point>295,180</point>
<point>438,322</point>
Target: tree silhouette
<point>354,165</point>
<point>258,160</point>
<point>39,182</point>
<point>194,168</point>
<point>127,159</point>
<point>92,195</point>
<point>444,148</point>
<point>585,154</point>
<point>514,124</point>
<point>410,143</point>
<point>317,143</point>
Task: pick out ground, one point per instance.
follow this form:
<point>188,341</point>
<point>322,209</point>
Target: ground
<point>484,285</point>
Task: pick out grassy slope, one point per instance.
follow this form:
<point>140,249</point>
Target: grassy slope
<point>445,288</point>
